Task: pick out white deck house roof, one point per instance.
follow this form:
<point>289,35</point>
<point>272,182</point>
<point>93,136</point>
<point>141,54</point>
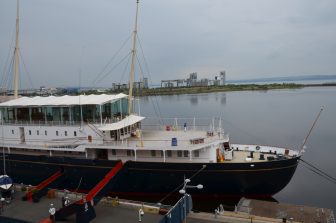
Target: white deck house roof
<point>63,100</point>
<point>129,120</point>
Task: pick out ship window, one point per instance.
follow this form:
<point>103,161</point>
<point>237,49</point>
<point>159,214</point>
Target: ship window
<point>45,132</point>
<point>169,153</point>
<point>75,133</point>
<point>179,153</point>
<point>56,133</point>
<point>185,153</point>
<point>114,152</point>
<point>128,152</point>
<point>196,153</point>
<point>37,132</point>
<point>161,153</point>
<point>65,133</point>
<point>153,152</point>
<point>29,132</point>
<point>12,131</point>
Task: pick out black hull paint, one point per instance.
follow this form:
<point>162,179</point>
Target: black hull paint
<point>151,178</point>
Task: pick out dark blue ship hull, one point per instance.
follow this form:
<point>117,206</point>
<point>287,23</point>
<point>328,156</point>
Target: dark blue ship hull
<point>262,179</point>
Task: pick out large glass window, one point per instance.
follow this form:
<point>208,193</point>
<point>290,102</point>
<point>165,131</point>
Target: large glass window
<point>106,111</point>
<point>75,113</point>
<point>49,113</point>
<point>65,114</point>
<point>37,114</point>
<point>56,113</point>
<point>119,108</point>
<point>89,113</point>
<point>22,114</point>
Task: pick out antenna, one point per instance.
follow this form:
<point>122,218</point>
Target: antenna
<point>311,129</point>
<point>133,59</point>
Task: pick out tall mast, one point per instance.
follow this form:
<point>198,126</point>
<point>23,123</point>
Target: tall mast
<point>16,53</point>
<point>131,81</point>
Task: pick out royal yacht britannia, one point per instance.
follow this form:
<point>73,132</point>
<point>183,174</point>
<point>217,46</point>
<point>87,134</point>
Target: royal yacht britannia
<point>86,136</point>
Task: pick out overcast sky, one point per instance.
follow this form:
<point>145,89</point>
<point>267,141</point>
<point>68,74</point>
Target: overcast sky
<point>62,40</point>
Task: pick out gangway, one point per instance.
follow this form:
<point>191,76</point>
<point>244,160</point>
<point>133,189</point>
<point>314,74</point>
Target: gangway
<point>84,208</point>
<point>35,193</point>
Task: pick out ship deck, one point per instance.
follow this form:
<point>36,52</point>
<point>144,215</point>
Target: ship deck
<point>160,138</point>
<point>240,157</point>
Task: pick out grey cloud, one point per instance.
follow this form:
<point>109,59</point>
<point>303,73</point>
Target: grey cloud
<point>260,38</point>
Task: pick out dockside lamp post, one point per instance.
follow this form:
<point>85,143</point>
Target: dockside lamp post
<point>141,213</point>
<point>184,192</point>
<point>52,212</point>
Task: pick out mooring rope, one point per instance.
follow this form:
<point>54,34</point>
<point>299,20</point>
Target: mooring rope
<point>318,171</point>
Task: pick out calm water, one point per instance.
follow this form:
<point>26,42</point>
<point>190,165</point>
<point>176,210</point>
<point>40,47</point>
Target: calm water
<point>277,117</point>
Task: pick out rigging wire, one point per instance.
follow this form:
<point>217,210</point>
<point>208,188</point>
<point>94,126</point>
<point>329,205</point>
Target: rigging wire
<point>9,78</point>
<point>155,103</point>
<point>98,76</point>
<point>125,69</point>
<point>26,70</point>
<point>156,109</point>
<point>114,67</point>
<point>9,58</point>
<point>318,171</point>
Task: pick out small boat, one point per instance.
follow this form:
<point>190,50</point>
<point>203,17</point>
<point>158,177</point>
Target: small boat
<point>6,183</point>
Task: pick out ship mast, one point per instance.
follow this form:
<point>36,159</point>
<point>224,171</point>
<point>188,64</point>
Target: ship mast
<point>16,53</point>
<point>131,81</point>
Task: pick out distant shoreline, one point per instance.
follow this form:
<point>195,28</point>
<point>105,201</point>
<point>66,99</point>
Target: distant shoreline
<point>197,89</point>
<point>225,88</point>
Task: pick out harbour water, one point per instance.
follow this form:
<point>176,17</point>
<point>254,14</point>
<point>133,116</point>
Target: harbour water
<point>277,117</point>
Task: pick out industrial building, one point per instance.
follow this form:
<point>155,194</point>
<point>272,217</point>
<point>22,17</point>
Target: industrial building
<point>192,81</point>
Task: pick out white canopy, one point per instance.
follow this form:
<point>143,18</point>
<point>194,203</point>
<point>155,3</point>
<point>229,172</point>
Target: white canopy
<point>63,100</point>
<point>129,120</point>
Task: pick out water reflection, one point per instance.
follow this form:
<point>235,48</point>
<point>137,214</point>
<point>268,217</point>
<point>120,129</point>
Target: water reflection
<point>223,98</point>
<point>219,97</point>
<point>193,100</point>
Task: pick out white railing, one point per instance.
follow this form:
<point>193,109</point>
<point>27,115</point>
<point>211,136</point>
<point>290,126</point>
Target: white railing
<point>201,124</point>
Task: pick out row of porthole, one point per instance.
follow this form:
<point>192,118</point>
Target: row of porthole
<point>153,153</point>
<point>46,133</point>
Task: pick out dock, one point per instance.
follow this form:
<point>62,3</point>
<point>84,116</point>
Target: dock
<point>111,209</point>
<point>108,209</point>
<point>288,212</point>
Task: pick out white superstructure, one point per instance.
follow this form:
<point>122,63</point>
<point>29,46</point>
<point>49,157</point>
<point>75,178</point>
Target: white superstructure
<point>100,127</point>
